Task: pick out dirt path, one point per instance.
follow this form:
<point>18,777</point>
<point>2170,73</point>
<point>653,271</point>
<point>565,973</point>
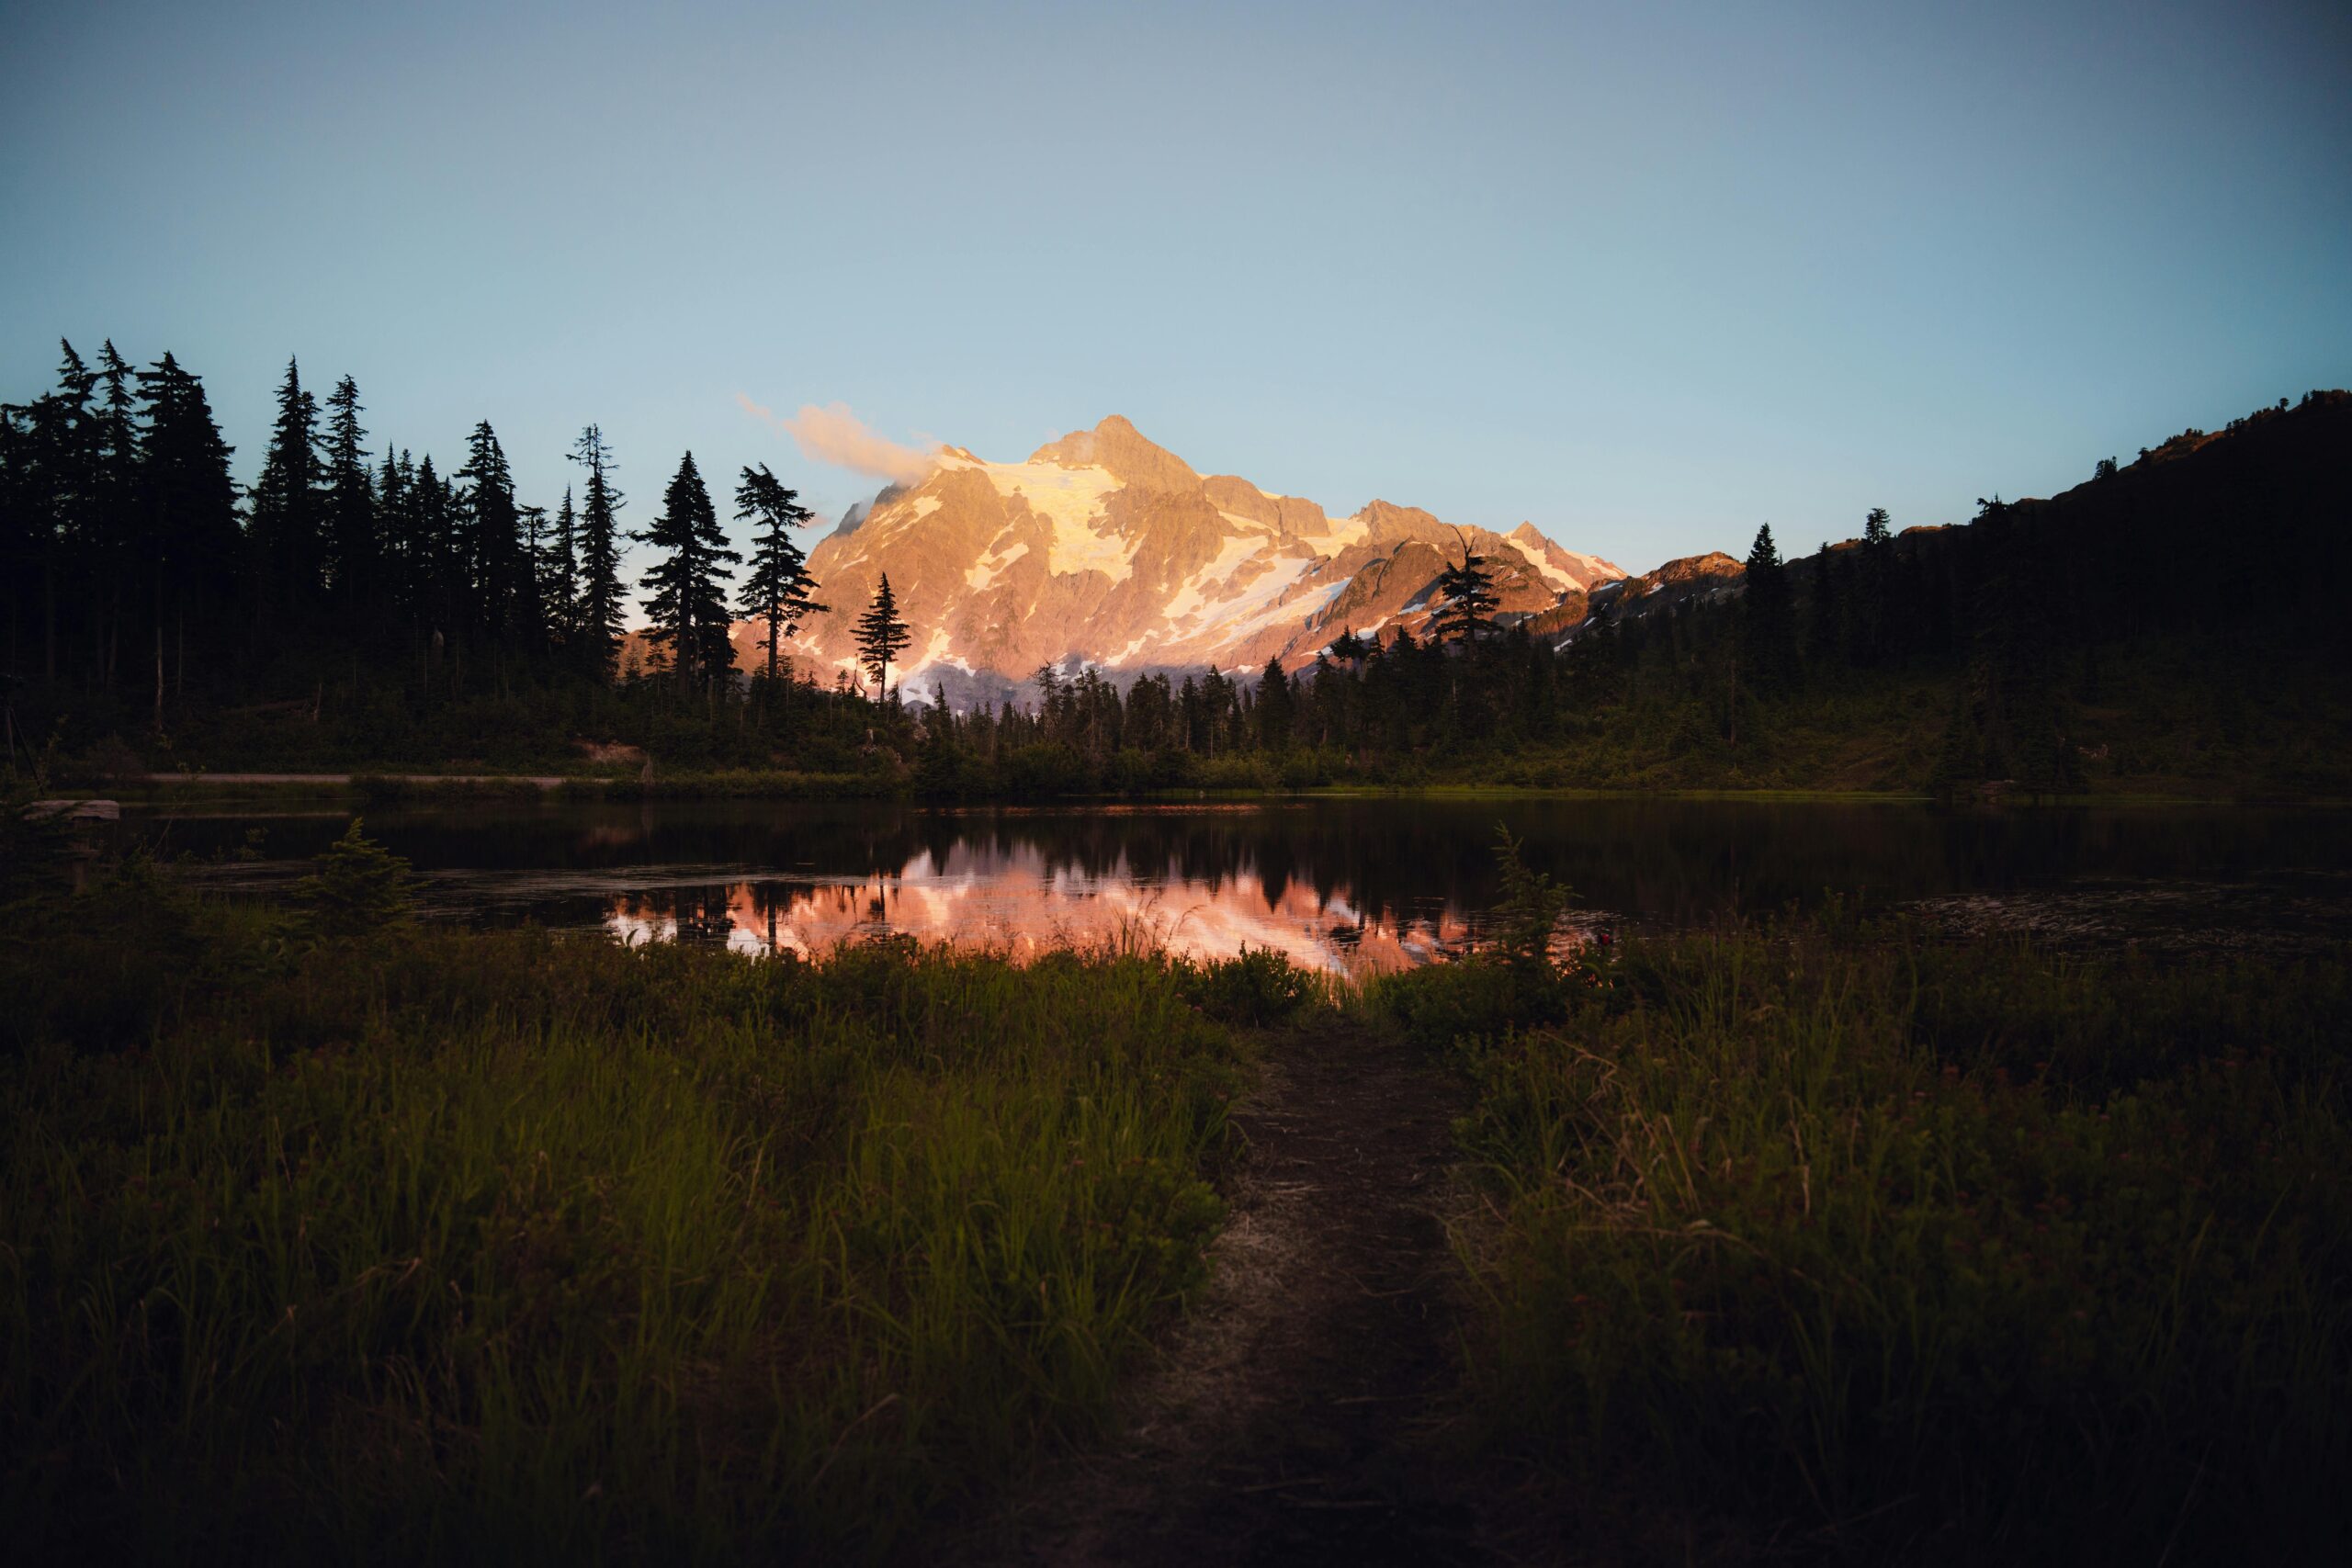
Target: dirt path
<point>1296,1418</point>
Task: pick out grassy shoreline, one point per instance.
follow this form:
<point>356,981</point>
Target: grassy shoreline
<point>1892,1248</point>
<point>499,1243</point>
<point>426,789</point>
<point>425,1241</point>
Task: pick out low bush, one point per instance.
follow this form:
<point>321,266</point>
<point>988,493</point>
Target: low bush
<point>1258,988</point>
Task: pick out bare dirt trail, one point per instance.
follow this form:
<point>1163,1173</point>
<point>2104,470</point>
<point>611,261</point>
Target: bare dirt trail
<point>1298,1417</point>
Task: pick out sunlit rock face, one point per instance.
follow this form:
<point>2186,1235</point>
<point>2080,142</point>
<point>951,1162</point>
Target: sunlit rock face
<point>1681,582</point>
<point>1104,549</point>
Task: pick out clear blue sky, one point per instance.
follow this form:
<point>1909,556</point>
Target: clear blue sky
<point>1646,274</point>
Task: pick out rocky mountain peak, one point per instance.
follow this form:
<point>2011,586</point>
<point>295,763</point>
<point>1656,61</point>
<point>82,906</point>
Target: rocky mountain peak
<point>1115,445</point>
<point>1104,549</point>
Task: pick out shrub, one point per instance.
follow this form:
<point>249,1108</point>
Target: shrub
<point>1259,987</point>
<point>359,889</point>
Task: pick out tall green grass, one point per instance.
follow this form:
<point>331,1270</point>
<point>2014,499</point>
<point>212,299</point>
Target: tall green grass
<point>1897,1249</point>
<point>505,1246</point>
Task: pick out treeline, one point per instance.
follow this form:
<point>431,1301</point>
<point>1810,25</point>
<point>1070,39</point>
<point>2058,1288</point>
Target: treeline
<point>138,576</point>
<point>2227,547</point>
<point>359,606</point>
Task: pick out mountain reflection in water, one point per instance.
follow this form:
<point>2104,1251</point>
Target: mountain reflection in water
<point>1019,903</point>
<point>1337,882</point>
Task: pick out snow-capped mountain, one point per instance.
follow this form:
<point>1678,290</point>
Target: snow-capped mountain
<point>1103,548</point>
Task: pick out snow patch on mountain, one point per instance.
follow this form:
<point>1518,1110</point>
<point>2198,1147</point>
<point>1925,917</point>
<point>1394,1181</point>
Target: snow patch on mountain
<point>986,570</point>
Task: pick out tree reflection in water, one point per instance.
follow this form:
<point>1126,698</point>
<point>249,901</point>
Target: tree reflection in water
<point>1341,882</point>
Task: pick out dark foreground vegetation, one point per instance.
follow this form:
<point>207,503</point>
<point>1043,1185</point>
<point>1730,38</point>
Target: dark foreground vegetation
<point>1858,1243</point>
<point>331,1235</point>
<point>2172,626</point>
<point>416,1243</point>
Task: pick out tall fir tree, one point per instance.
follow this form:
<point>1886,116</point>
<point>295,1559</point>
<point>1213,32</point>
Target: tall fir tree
<point>687,605</point>
<point>434,534</point>
<point>62,446</point>
<point>559,574</point>
<point>395,551</point>
<point>881,637</point>
<point>287,524</point>
<point>599,622</point>
<point>1468,607</point>
<point>1872,591</point>
<point>1767,631</point>
<point>1825,637</point>
<point>505,598</point>
<point>1276,710</point>
<point>777,591</point>
<point>192,506</point>
<point>353,544</point>
<point>116,519</point>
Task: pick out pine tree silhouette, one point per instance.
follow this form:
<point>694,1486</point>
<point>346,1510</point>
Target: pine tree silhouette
<point>287,515</point>
<point>504,593</point>
<point>777,592</point>
<point>598,623</point>
<point>1276,707</point>
<point>192,540</point>
<point>881,637</point>
<point>1768,632</point>
<point>560,575</point>
<point>1469,598</point>
<point>687,603</point>
<point>351,527</point>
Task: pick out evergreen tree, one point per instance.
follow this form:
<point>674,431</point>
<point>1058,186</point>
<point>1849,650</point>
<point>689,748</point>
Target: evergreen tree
<point>532,628</point>
<point>1276,709</point>
<point>687,605</point>
<point>504,596</point>
<point>192,506</point>
<point>1468,591</point>
<point>598,625</point>
<point>114,521</point>
<point>59,450</point>
<point>1827,638</point>
<point>432,511</point>
<point>1767,633</point>
<point>393,526</point>
<point>359,890</point>
<point>351,505</point>
<point>287,526</point>
<point>776,594</point>
<point>1216,710</point>
<point>1871,600</point>
<point>559,574</point>
<point>881,635</point>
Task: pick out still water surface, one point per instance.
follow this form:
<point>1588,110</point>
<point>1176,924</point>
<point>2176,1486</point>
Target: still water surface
<point>1342,884</point>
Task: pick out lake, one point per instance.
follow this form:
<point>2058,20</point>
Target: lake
<point>1345,884</point>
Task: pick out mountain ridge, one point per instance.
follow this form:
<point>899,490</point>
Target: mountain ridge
<point>1103,548</point>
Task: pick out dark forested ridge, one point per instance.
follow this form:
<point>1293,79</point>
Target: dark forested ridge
<point>2171,623</point>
